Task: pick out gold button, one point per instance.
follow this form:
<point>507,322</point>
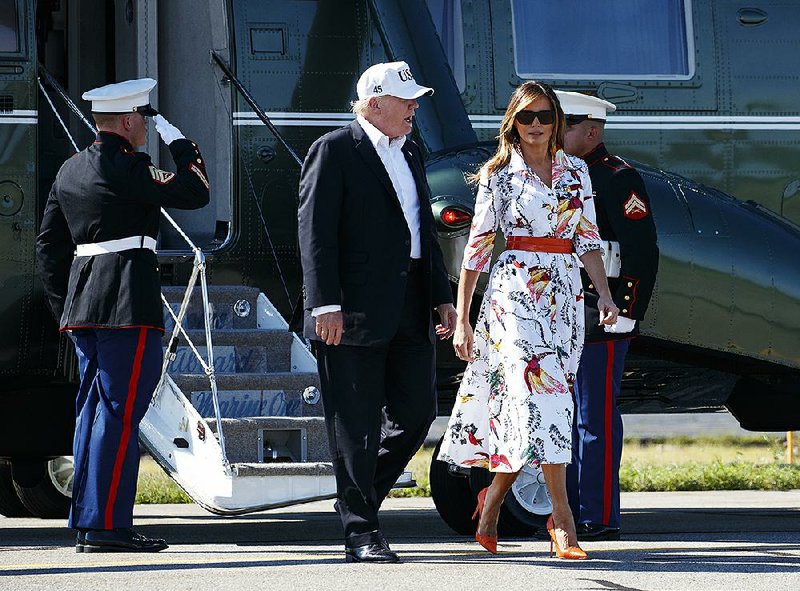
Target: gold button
<point>199,161</point>
<point>627,297</point>
<point>630,284</point>
<point>625,311</point>
<point>591,286</point>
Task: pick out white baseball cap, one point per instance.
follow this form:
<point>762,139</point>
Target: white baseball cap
<point>583,105</point>
<point>390,79</point>
<point>123,97</point>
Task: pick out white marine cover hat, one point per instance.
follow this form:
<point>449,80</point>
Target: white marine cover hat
<point>589,107</point>
<point>390,79</point>
<point>123,97</point>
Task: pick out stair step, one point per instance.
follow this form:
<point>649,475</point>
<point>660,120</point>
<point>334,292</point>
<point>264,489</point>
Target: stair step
<point>251,439</point>
<point>223,300</point>
<point>236,351</point>
<point>243,469</point>
<point>260,337</point>
<point>174,293</point>
<point>248,395</point>
<point>279,380</point>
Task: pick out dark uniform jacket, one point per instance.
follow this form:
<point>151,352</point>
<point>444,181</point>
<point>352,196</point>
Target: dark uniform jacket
<point>624,216</point>
<point>106,192</point>
<point>354,240</point>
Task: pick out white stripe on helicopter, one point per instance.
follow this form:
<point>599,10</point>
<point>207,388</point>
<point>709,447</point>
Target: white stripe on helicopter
<point>18,117</point>
<point>690,122</point>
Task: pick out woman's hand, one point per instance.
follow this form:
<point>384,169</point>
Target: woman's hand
<point>463,339</point>
<point>593,263</point>
<point>608,311</point>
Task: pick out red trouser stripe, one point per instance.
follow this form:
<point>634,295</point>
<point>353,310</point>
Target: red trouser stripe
<point>126,428</point>
<point>607,435</point>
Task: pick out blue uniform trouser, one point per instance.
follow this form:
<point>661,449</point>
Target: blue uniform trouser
<point>593,475</point>
<point>119,370</point>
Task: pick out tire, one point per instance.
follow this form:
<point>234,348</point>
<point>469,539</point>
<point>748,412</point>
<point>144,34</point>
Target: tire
<point>10,505</point>
<point>452,495</point>
<point>46,490</point>
<point>517,516</point>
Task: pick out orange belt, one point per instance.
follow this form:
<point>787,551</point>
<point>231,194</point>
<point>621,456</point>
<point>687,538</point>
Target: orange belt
<point>539,244</point>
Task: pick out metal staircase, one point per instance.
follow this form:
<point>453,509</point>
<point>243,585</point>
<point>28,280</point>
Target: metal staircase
<point>274,451</point>
<point>236,419</point>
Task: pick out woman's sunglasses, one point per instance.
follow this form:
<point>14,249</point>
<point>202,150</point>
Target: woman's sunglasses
<point>526,117</point>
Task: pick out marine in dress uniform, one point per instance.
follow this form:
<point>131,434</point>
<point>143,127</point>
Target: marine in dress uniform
<point>373,272</point>
<point>97,259</point>
<point>623,217</point>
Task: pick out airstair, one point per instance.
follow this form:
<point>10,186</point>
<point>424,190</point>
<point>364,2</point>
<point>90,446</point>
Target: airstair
<point>236,420</point>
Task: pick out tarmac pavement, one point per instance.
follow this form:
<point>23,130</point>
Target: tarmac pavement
<point>693,540</point>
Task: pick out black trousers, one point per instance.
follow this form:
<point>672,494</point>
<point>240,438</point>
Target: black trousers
<point>379,403</point>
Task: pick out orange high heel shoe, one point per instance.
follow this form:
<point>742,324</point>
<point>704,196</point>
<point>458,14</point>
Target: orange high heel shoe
<point>488,542</point>
<point>570,553</point>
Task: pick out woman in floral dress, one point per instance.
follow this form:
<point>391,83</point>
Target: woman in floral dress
<point>515,406</point>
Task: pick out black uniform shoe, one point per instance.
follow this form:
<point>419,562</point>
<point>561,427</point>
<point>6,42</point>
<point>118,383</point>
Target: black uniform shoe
<point>592,532</point>
<point>371,547</point>
<point>117,540</point>
<point>80,541</point>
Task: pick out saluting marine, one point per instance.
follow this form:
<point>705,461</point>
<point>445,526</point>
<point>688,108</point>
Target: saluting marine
<point>624,220</point>
<point>97,259</point>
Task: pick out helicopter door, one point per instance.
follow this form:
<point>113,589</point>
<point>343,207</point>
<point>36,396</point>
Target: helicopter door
<point>192,96</point>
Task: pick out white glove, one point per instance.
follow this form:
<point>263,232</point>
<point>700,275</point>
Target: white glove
<point>168,132</point>
<point>622,325</point>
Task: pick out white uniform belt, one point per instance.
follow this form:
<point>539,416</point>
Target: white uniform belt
<point>89,250</point>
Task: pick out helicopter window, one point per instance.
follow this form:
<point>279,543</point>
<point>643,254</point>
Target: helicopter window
<point>446,15</point>
<point>589,40</point>
<point>9,32</point>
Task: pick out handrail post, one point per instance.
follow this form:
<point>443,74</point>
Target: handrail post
<point>200,269</point>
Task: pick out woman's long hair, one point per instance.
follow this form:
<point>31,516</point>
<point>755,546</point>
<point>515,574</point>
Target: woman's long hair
<point>524,95</point>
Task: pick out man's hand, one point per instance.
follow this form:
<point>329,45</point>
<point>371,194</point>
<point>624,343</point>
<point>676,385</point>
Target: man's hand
<point>448,315</point>
<point>330,327</point>
<point>168,132</point>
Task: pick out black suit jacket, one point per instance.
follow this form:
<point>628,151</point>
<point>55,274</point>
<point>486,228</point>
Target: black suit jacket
<point>105,192</point>
<point>355,245</point>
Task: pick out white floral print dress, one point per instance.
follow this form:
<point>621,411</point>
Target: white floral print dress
<point>514,406</point>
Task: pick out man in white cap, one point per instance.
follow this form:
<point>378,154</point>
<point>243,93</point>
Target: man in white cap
<point>97,260</point>
<point>623,217</point>
<point>373,272</point>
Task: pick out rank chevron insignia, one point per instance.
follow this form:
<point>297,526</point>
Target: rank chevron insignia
<point>161,176</point>
<point>635,208</point>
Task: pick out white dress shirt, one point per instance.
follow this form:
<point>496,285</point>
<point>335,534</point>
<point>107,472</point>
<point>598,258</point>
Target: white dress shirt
<point>394,161</point>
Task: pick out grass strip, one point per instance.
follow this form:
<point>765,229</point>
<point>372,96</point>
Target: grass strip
<point>155,487</point>
<point>694,476</point>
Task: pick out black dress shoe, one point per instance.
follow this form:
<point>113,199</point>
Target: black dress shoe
<point>370,553</point>
<point>117,540</point>
<point>369,547</point>
<point>80,540</point>
<point>592,532</point>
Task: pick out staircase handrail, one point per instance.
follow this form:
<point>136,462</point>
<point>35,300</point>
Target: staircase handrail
<point>198,268</point>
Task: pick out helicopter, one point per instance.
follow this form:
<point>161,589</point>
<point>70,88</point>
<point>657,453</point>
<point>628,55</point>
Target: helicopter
<point>254,83</point>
